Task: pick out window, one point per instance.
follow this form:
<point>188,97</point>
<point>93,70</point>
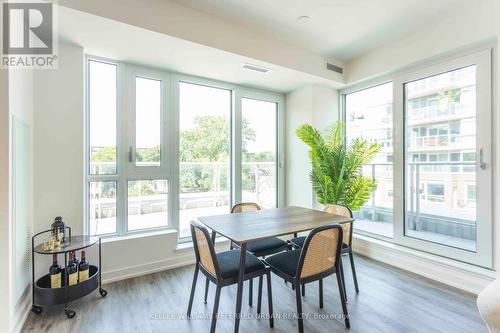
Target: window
<point>259,148</point>
<point>102,118</point>
<point>180,148</point>
<point>442,178</point>
<point>424,210</point>
<point>102,207</point>
<point>365,110</point>
<point>102,184</point>
<point>204,152</point>
<point>147,121</point>
<point>471,194</point>
<point>147,204</point>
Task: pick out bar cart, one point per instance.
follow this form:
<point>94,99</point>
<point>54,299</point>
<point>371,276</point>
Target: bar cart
<point>43,294</point>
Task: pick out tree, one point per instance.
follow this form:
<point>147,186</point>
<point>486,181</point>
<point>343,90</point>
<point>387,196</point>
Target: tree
<point>208,140</point>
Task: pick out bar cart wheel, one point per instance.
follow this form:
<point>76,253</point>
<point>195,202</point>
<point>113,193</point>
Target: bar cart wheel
<point>70,313</point>
<point>36,309</point>
<point>103,292</point>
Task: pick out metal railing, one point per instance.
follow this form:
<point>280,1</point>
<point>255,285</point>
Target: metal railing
<point>203,184</point>
<point>417,173</point>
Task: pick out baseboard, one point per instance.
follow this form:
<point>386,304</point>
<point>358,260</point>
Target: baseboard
<point>147,268</point>
<point>184,255</point>
<point>21,313</point>
<point>466,277</point>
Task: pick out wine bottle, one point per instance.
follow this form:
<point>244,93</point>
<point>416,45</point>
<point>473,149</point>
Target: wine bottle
<point>55,273</point>
<point>72,270</point>
<point>75,258</point>
<point>83,269</point>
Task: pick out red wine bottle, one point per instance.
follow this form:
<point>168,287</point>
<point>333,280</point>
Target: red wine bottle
<point>83,269</point>
<point>55,273</point>
<point>75,259</point>
<point>72,270</point>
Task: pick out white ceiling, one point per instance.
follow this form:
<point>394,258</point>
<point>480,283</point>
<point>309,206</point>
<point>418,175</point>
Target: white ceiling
<point>115,40</point>
<point>343,29</point>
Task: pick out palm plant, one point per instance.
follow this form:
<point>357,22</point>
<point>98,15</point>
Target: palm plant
<point>336,168</point>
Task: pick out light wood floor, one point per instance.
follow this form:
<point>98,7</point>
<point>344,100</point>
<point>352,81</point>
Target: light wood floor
<point>390,300</point>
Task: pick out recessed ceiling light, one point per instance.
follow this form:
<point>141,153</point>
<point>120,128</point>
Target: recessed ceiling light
<point>255,68</point>
<point>303,19</point>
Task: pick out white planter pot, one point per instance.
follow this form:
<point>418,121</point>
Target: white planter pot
<point>488,303</point>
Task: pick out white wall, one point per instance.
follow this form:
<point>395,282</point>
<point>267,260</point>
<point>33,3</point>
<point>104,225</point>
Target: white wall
<point>5,246</point>
<point>21,97</point>
<point>466,29</point>
<point>16,110</point>
<point>315,105</point>
<point>58,138</point>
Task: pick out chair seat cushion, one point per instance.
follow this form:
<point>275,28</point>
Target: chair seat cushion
<point>285,262</point>
<point>299,242</point>
<point>266,246</point>
<point>229,263</point>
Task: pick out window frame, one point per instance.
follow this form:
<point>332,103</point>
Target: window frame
<point>169,166</point>
<point>481,57</point>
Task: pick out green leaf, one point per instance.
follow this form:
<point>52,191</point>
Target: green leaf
<point>336,168</point>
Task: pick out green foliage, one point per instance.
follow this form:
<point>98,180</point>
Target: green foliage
<point>104,154</point>
<point>336,168</point>
<point>208,141</point>
<point>148,154</point>
<point>141,188</point>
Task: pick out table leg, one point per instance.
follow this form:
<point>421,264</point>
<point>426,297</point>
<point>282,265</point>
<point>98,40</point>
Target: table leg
<point>239,295</point>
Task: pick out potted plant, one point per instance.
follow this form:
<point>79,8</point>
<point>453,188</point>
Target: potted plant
<point>336,167</point>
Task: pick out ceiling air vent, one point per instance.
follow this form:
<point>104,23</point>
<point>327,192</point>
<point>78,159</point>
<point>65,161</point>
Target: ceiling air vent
<point>334,68</point>
<point>256,68</point>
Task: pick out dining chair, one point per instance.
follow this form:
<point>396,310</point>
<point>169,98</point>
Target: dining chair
<point>319,257</point>
<point>341,210</point>
<point>260,248</point>
<point>223,268</point>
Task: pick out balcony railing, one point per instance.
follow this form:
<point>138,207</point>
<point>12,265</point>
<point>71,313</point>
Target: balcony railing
<point>446,211</point>
<point>203,185</point>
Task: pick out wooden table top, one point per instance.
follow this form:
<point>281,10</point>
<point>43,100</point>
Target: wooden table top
<point>255,225</point>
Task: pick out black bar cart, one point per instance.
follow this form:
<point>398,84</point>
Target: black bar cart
<point>43,294</point>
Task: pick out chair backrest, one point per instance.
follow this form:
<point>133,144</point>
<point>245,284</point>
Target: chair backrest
<point>321,251</point>
<point>346,227</point>
<point>204,249</point>
<point>245,207</point>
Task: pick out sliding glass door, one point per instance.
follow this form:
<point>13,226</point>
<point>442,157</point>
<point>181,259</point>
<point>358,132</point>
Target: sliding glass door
<point>434,169</point>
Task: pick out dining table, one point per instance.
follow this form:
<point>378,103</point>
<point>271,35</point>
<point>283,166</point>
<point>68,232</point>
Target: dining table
<point>246,227</point>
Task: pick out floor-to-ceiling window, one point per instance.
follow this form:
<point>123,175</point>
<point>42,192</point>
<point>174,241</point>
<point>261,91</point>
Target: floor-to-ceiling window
<point>259,149</point>
<point>434,170</point>
<point>440,158</point>
<point>164,149</point>
<point>204,152</point>
<point>368,115</point>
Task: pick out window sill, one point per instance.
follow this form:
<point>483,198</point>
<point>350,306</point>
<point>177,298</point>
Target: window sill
<point>451,272</point>
<point>141,234</point>
<point>188,246</point>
